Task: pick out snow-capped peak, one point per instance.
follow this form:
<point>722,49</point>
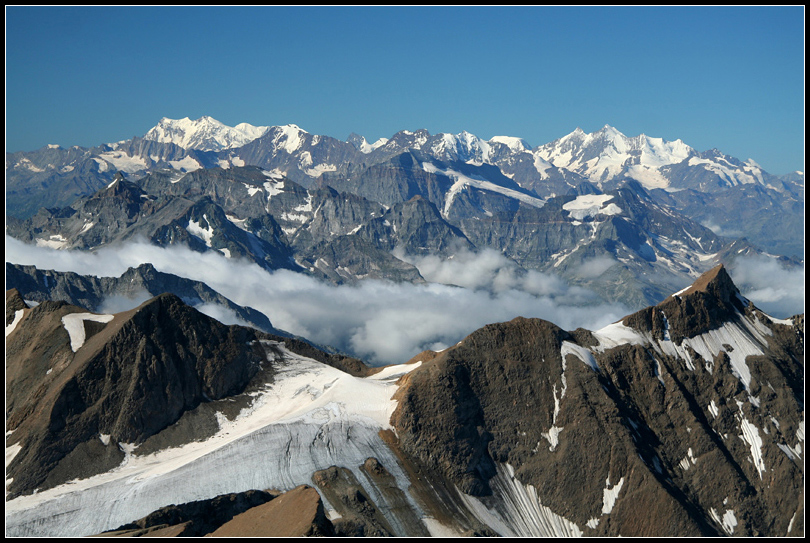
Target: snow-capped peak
<point>364,146</point>
<point>610,132</point>
<point>515,144</point>
<point>289,137</point>
<point>608,153</point>
<point>204,134</point>
<point>463,146</point>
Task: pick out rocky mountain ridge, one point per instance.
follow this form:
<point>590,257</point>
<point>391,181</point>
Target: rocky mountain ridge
<point>693,407</point>
<point>53,176</point>
<point>377,227</point>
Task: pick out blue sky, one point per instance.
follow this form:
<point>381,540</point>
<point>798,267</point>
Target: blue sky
<point>730,78</point>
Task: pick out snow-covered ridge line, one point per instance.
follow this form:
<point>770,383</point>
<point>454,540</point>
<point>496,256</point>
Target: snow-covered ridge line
<point>205,133</point>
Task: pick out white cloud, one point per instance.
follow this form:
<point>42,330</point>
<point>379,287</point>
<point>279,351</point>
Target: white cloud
<point>385,322</point>
<point>775,289</point>
<point>490,270</point>
<point>594,267</point>
<point>221,313</point>
<point>380,321</point>
<point>119,303</point>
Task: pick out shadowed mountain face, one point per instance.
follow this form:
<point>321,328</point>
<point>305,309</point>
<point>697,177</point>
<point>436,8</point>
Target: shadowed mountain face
<point>692,407</point>
<point>73,379</point>
<point>92,292</point>
<point>672,397</point>
<point>622,244</point>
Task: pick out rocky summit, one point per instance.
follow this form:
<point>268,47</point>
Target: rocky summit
<point>685,418</point>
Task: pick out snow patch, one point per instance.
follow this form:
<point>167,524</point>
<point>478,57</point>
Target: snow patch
<point>750,434</point>
<point>617,334</point>
<point>580,352</point>
<point>273,188</point>
<point>18,315</point>
<point>713,409</point>
<point>123,162</point>
<point>728,522</point>
<point>590,205</point>
<point>610,494</point>
<point>462,181</point>
<point>195,229</point>
<point>316,171</point>
<point>74,324</point>
<point>186,164</point>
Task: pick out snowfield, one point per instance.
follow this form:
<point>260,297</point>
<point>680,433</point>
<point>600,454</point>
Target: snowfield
<point>312,417</point>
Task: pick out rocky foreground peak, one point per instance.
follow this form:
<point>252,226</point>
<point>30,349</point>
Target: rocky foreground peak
<point>685,418</point>
<point>711,301</point>
<point>668,398</point>
<point>73,376</point>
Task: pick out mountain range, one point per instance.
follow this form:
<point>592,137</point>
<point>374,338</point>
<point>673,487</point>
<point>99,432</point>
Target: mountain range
<point>147,403</point>
<point>160,420</point>
<point>620,216</point>
<point>698,184</point>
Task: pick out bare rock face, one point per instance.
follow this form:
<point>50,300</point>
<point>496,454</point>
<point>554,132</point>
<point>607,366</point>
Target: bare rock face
<point>14,303</point>
<point>712,299</point>
<point>296,513</point>
<point>583,419</point>
<point>359,515</point>
<point>194,519</point>
<point>132,377</point>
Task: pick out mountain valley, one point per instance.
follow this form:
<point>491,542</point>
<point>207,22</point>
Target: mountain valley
<point>190,388</point>
<point>494,436</point>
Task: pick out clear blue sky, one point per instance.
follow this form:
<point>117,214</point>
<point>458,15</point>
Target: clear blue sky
<point>730,78</point>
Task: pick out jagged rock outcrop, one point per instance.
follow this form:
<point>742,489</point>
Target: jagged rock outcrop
<point>79,385</point>
<point>663,413</point>
<point>693,408</point>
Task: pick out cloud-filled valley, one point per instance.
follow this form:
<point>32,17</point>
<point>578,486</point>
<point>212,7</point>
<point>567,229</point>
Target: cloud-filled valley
<point>381,321</point>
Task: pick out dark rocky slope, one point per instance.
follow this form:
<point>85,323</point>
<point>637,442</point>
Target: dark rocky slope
<point>133,377</point>
<point>682,419</point>
<point>575,418</point>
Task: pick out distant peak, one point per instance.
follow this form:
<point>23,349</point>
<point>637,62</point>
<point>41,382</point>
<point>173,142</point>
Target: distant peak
<point>294,127</point>
<point>516,144</point>
<point>609,130</point>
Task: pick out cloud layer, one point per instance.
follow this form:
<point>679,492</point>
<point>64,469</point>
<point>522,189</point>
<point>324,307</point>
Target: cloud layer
<point>384,322</point>
<point>774,289</point>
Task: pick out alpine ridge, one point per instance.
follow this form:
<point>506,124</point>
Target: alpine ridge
<point>692,407</point>
<point>689,180</point>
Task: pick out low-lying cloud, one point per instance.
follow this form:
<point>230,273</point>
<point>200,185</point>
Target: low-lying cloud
<point>381,322</point>
<point>775,289</point>
<point>490,270</point>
